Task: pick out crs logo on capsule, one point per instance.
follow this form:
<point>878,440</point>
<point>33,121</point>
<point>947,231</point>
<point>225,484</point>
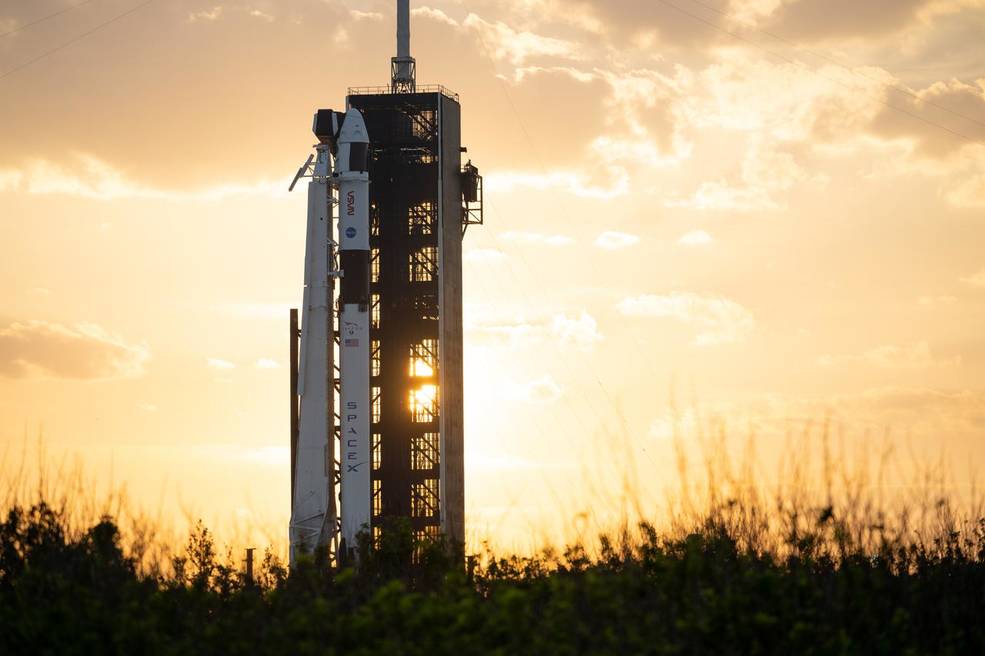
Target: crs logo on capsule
<point>350,232</point>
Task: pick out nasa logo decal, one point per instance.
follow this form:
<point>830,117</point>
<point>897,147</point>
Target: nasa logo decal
<point>350,232</point>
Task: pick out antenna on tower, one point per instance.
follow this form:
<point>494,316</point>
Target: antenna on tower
<point>403,68</point>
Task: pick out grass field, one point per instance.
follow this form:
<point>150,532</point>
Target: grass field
<point>820,565</point>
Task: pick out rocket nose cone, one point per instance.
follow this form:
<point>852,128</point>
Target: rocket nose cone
<point>353,128</point>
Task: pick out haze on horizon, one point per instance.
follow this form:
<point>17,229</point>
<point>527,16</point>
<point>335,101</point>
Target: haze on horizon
<point>759,214</point>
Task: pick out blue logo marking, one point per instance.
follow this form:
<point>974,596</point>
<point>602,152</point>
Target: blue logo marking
<point>350,232</point>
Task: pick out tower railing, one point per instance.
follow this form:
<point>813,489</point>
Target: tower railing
<point>386,90</point>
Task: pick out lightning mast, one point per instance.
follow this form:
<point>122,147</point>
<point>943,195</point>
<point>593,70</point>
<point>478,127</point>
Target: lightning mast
<point>403,68</point>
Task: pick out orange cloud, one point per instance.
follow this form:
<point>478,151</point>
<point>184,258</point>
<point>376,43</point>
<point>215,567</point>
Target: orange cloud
<point>51,350</point>
<point>716,320</point>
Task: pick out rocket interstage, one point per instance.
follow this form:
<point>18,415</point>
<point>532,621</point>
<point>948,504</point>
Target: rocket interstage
<point>352,179</point>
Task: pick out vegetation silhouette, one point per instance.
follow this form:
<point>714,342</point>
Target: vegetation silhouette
<point>823,564</point>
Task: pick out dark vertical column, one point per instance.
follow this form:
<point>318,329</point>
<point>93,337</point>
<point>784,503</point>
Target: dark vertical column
<point>404,167</point>
<point>451,347</point>
<point>397,315</point>
<point>295,335</point>
<point>249,567</point>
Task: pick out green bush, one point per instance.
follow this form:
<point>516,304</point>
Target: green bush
<point>708,591</point>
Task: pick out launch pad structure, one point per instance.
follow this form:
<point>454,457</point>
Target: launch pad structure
<point>421,200</point>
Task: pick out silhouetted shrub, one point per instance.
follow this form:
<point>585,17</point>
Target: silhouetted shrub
<point>707,591</point>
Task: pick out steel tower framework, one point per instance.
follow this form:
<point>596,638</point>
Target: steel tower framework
<point>421,200</point>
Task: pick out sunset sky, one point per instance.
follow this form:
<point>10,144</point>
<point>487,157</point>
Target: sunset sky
<point>762,213</point>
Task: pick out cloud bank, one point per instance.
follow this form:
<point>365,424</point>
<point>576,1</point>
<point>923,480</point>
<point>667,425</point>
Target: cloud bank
<point>39,349</point>
<point>716,320</point>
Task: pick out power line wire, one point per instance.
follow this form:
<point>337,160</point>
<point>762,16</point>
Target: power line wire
<point>794,62</point>
<point>43,19</point>
<point>850,69</point>
<point>74,40</point>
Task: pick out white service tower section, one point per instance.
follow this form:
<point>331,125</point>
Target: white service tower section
<point>313,505</point>
<point>352,179</point>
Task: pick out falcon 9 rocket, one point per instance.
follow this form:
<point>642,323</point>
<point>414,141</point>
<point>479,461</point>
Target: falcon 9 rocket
<point>314,515</point>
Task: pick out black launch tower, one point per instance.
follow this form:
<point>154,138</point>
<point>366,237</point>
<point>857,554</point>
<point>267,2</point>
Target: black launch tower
<point>421,201</point>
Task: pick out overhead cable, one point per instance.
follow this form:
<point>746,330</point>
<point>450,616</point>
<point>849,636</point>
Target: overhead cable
<point>44,18</point>
<point>74,40</point>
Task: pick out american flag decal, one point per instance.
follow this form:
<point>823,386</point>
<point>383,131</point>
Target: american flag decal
<point>351,342</point>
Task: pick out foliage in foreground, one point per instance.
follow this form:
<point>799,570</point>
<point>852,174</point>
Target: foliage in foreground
<point>708,590</point>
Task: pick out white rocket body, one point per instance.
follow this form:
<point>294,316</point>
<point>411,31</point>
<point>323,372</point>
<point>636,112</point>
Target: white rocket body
<point>355,405</point>
<point>313,506</point>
